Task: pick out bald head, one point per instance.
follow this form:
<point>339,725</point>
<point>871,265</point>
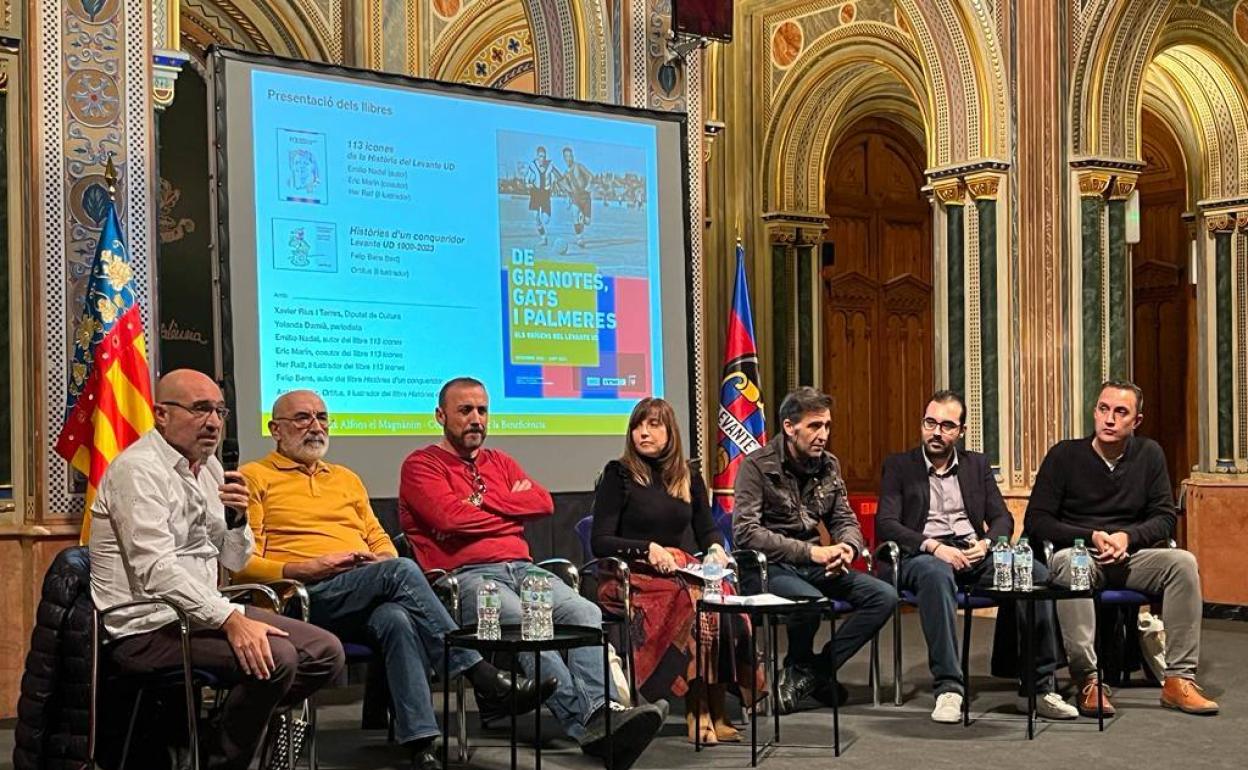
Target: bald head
<point>295,400</point>
<point>189,413</point>
<point>186,385</point>
<point>300,426</point>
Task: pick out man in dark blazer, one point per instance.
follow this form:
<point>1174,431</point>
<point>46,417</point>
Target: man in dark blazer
<point>942,507</point>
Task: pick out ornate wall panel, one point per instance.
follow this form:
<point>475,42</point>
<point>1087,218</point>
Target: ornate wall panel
<point>92,99</point>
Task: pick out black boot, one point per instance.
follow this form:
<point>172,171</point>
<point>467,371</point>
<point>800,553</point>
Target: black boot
<point>493,689</point>
<point>425,755</point>
<point>796,682</point>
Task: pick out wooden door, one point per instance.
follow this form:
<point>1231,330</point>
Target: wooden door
<point>1164,363</point>
<point>877,317</point>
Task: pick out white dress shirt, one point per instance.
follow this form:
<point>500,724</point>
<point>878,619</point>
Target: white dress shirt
<point>159,531</point>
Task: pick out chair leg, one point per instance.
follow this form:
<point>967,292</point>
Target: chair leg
<point>134,716</point>
<point>313,759</point>
<point>461,717</point>
<point>630,661</point>
<point>874,673</point>
<point>897,655</point>
<point>768,703</point>
<point>966,664</point>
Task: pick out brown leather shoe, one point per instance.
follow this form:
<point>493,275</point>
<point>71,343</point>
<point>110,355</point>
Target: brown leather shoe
<point>1086,703</point>
<point>1185,695</point>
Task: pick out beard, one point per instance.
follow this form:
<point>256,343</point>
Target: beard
<point>468,441</point>
<point>937,448</point>
<point>309,450</point>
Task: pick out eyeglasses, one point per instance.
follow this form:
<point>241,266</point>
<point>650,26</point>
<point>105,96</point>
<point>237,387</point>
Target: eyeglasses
<point>303,420</point>
<point>948,427</point>
<point>478,485</point>
<point>202,409</point>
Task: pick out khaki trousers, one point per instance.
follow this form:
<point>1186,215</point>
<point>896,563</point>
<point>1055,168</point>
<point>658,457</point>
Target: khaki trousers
<point>1166,572</point>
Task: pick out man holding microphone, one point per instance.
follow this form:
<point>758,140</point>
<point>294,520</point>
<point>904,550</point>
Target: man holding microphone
<point>166,517</point>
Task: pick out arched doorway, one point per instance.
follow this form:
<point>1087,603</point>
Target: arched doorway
<point>1164,299</point>
<point>877,317</point>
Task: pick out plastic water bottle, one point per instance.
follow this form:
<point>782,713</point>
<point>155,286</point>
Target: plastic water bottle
<point>530,606</point>
<point>546,607</point>
<point>1003,565</point>
<point>489,608</point>
<point>712,581</point>
<point>1022,565</point>
<point>1080,567</point>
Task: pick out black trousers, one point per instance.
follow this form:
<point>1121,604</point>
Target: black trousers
<point>306,660</point>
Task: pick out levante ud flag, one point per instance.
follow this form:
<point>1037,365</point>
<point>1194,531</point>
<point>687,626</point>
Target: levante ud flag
<point>740,420</point>
<point>109,402</point>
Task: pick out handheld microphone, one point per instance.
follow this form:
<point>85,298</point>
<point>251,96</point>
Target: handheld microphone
<point>229,454</point>
<point>229,462</point>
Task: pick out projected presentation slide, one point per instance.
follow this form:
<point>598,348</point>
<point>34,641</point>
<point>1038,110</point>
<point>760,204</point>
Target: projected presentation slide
<point>404,237</point>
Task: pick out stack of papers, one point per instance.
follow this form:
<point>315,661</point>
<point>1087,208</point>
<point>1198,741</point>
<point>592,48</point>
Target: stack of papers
<point>753,600</point>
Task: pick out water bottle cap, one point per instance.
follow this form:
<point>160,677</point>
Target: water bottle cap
<point>1000,539</point>
<point>1022,540</point>
<point>1078,541</point>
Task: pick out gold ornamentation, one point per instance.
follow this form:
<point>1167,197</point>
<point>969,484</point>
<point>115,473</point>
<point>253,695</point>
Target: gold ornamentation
<point>1241,220</point>
<point>983,186</point>
<point>1221,222</point>
<point>1124,184</point>
<point>1093,184</point>
<point>948,191</point>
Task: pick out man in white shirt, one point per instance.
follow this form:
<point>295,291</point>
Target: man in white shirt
<point>166,517</point>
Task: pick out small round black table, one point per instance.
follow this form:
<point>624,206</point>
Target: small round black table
<point>1048,593</point>
<point>565,637</point>
<point>821,606</point>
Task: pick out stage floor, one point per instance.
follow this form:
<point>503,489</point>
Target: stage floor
<point>1143,734</point>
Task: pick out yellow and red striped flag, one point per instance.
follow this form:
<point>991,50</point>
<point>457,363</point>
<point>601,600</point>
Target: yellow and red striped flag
<point>110,385</point>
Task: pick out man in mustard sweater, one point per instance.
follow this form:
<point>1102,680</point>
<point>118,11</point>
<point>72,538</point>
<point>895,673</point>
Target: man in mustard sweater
<point>313,523</point>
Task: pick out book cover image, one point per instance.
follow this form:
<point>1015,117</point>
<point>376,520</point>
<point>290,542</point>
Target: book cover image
<point>302,167</point>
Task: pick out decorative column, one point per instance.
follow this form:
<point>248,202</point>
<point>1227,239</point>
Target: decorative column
<point>1102,301</point>
<point>1221,228</point>
<point>1118,301</point>
<point>1092,188</point>
<point>951,195</point>
<point>796,309</point>
<point>985,395</point>
<point>968,305</point>
<point>1240,337</point>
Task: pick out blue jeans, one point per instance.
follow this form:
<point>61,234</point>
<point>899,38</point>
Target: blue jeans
<point>873,601</point>
<point>391,605</point>
<point>934,584</point>
<point>580,691</point>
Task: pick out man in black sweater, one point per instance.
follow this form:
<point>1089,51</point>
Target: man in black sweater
<point>942,507</point>
<point>1111,492</point>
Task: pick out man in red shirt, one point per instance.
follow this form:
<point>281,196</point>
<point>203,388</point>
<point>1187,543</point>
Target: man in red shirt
<point>463,509</point>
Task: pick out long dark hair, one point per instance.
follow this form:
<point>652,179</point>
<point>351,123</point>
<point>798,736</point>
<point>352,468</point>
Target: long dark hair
<point>673,467</point>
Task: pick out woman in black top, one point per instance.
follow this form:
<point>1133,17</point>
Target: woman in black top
<point>650,509</point>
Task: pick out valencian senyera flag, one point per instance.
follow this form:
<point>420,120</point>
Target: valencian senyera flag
<point>110,385</point>
<point>740,420</point>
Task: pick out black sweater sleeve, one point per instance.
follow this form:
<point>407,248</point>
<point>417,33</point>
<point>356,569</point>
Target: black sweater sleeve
<point>609,501</point>
<point>1160,516</point>
<point>705,533</point>
<point>1042,521</point>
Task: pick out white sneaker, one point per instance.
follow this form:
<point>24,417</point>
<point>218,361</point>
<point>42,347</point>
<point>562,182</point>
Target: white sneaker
<point>1051,706</point>
<point>948,708</point>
